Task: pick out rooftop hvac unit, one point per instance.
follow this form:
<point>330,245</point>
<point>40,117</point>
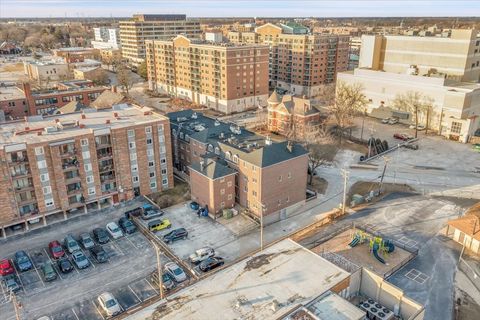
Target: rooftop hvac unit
<point>50,129</point>
<point>375,311</point>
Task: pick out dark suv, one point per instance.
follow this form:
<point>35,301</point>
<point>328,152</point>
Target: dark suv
<point>127,225</point>
<point>99,254</point>
<point>175,235</point>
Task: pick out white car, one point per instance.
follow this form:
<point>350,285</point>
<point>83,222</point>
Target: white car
<point>114,230</point>
<point>393,121</point>
<point>201,254</point>
<point>175,272</point>
<point>109,304</point>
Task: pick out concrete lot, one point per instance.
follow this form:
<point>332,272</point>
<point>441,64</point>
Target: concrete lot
<point>417,222</point>
<point>73,295</point>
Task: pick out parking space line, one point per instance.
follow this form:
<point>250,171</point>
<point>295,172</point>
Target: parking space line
<point>51,261</point>
<point>96,308</point>
<point>18,276</point>
<point>133,244</point>
<point>115,245</point>
<point>75,314</point>
<point>36,270</point>
<point>151,285</point>
<point>136,295</point>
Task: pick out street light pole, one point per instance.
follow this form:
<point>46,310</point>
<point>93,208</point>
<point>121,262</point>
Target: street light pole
<point>345,178</point>
<point>159,269</point>
<point>13,298</point>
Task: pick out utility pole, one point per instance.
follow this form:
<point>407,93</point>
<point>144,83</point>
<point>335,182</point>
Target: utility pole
<point>363,123</point>
<point>345,179</point>
<point>159,269</point>
<point>262,211</point>
<point>13,298</point>
<point>385,159</point>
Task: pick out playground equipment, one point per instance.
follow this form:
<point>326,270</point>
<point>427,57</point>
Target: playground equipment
<point>377,245</point>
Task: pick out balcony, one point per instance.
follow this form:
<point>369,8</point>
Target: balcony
<point>105,168</point>
<point>18,160</point>
<point>27,187</point>
<point>103,144</point>
<point>103,156</point>
<point>107,178</point>
<point>70,180</point>
<point>68,153</point>
<point>69,165</point>
<point>21,174</point>
<point>26,202</point>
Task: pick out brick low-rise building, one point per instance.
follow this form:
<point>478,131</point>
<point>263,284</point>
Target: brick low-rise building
<point>240,167</point>
<point>63,165</point>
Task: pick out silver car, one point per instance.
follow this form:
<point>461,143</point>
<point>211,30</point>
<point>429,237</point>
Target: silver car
<point>86,240</point>
<point>71,244</point>
<point>80,260</point>
<point>109,304</point>
<point>175,272</point>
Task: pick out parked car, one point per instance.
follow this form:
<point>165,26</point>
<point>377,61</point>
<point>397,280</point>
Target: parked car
<point>385,120</point>
<point>133,213</point>
<point>22,261</point>
<point>167,281</point>
<point>109,304</point>
<point>80,260</point>
<point>127,226</point>
<point>175,272</point>
<point>99,254</point>
<point>392,121</point>
<point>11,283</point>
<point>211,263</point>
<point>419,127</point>
<point>86,240</point>
<point>56,249</point>
<point>100,235</point>
<point>64,265</point>
<point>71,244</point>
<point>149,212</point>
<point>157,225</point>
<point>6,267</point>
<point>194,205</point>
<point>175,235</point>
<point>201,254</point>
<point>49,272</point>
<point>402,136</point>
<point>411,146</point>
<point>114,230</point>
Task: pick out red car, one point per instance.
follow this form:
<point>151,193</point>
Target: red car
<point>56,249</point>
<point>6,267</point>
<point>402,136</point>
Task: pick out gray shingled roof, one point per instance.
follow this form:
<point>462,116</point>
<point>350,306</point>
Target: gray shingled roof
<point>213,169</point>
<point>72,106</point>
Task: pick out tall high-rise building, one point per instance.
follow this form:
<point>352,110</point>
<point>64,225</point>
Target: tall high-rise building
<point>455,56</point>
<point>223,76</point>
<point>142,27</point>
<point>73,163</point>
<point>300,62</point>
<point>106,38</point>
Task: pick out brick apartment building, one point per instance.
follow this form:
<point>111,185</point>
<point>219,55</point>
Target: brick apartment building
<point>77,54</point>
<point>222,76</point>
<point>229,165</point>
<point>291,116</point>
<point>18,101</point>
<point>134,32</point>
<point>58,166</point>
<point>300,62</point>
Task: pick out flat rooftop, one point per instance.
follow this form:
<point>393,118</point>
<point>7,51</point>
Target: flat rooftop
<point>11,93</point>
<point>264,286</point>
<point>128,115</point>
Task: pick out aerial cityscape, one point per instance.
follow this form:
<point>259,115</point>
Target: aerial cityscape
<point>220,159</point>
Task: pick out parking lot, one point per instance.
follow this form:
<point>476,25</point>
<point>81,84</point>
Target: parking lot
<point>202,231</point>
<point>73,295</point>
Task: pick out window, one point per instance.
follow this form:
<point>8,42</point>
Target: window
<point>164,182</point>
<point>152,174</point>
<point>288,199</point>
<point>164,171</point>
<point>49,203</point>
<point>150,152</point>
<point>163,161</point>
<point>86,154</point>
<point>222,191</point>
<point>149,141</point>
<point>153,185</point>
<point>228,155</point>
<point>88,167</point>
<point>90,179</point>
<point>39,151</point>
<point>91,191</point>
<point>280,178</point>
<point>151,163</point>
<point>84,142</point>
<point>245,189</point>
<point>148,129</point>
<point>222,204</point>
<point>456,127</point>
<point>134,168</point>
<point>254,180</point>
<point>131,133</point>
<point>217,150</point>
<point>222,180</point>
<point>235,158</point>
<point>229,197</point>
<point>47,190</point>
<point>279,203</point>
<point>229,183</point>
<point>42,164</point>
<point>135,178</point>
<point>210,148</point>
<point>133,156</point>
<point>289,175</point>
<point>131,145</point>
<point>254,193</point>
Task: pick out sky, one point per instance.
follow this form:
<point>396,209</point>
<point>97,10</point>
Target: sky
<point>239,8</point>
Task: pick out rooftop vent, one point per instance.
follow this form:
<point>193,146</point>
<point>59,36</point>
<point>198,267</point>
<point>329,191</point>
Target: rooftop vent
<point>50,130</point>
<point>67,124</point>
<point>181,119</point>
<point>268,141</point>
<point>194,116</point>
<point>217,123</point>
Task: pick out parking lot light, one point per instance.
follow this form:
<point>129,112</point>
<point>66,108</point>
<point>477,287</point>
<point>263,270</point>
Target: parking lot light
<point>159,269</point>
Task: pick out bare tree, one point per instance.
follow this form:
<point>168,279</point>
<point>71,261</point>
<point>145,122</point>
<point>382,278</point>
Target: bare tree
<point>349,101</point>
<point>416,103</point>
<point>124,78</point>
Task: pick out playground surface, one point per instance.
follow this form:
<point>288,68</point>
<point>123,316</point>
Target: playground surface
<point>361,254</point>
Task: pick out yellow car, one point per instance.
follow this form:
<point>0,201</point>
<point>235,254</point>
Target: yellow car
<point>157,225</point>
